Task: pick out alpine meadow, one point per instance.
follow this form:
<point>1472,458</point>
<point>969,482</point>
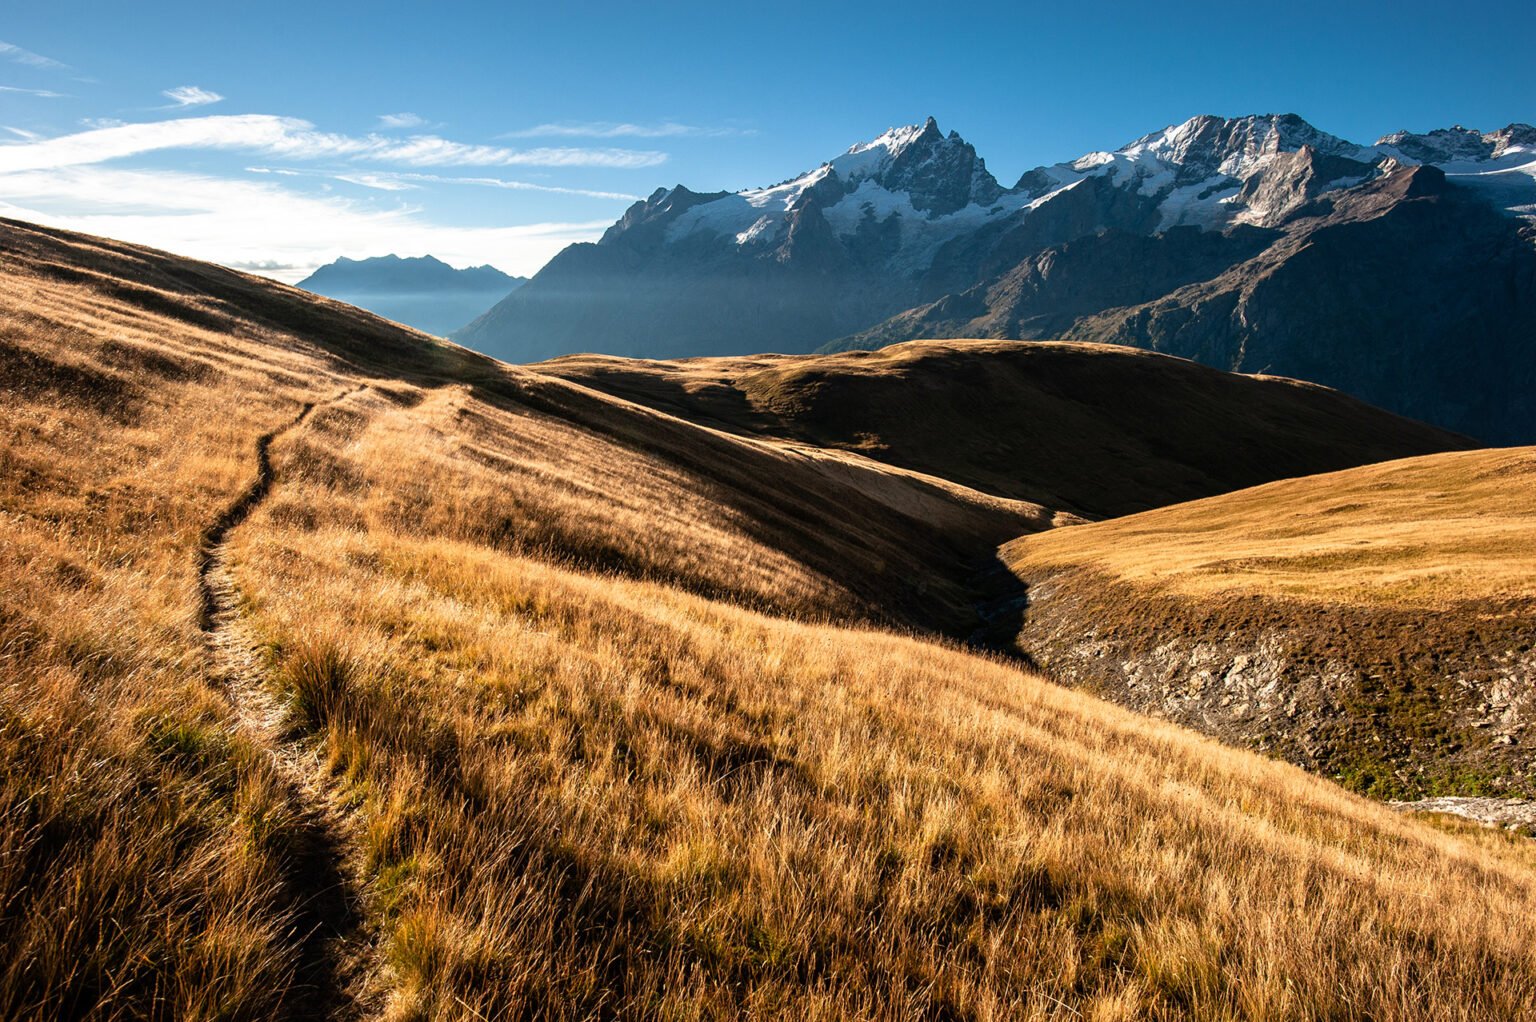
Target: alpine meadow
<point>445,577</point>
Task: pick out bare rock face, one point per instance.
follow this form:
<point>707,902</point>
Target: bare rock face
<point>1405,292</point>
<point>1514,814</point>
<point>1294,179</point>
<point>1392,703</point>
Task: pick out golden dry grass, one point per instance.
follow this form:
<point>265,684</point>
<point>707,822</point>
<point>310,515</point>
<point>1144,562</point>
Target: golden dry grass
<point>613,734</point>
<point>1420,533</point>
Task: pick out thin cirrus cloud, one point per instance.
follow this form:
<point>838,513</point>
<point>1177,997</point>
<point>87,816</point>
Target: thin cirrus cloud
<point>619,129</point>
<point>40,93</point>
<point>184,96</point>
<point>27,58</point>
<point>401,120</point>
<point>292,138</point>
<point>401,181</point>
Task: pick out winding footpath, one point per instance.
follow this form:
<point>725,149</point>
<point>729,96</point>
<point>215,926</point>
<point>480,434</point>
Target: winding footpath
<point>321,865</point>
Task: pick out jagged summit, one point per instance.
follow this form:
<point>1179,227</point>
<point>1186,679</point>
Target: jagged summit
<point>941,173</point>
<point>896,140</point>
<point>1198,150</point>
<point>901,193</point>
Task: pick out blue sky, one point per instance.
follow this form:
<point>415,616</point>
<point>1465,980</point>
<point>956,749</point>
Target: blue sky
<point>277,136</point>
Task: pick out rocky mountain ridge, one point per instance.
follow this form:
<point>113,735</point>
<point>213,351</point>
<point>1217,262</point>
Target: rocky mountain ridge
<point>909,235</point>
<point>420,291</point>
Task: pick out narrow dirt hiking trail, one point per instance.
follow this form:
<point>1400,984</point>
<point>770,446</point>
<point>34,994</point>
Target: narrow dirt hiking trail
<point>335,951</point>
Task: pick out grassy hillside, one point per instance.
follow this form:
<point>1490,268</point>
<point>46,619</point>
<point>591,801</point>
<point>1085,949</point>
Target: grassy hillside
<point>349,675</point>
<point>1098,430</point>
<point>1375,623</point>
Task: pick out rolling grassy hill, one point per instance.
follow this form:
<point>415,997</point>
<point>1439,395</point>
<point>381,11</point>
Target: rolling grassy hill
<point>1098,430</point>
<point>1376,623</point>
<point>349,674</point>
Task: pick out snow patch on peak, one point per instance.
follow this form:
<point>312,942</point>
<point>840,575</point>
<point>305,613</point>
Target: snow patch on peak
<point>869,159</point>
<point>786,195</point>
<point>895,140</point>
<point>1457,144</point>
<point>1199,167</point>
<point>761,227</point>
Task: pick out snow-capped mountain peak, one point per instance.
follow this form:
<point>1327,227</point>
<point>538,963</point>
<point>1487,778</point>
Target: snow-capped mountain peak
<point>898,198</point>
<point>894,141</point>
<point>1206,145</point>
<point>1196,171</point>
<point>941,173</point>
<point>903,193</point>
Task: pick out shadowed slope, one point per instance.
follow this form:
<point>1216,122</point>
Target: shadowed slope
<point>1094,429</point>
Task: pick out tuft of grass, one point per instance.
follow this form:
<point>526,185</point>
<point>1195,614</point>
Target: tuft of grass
<point>317,677</point>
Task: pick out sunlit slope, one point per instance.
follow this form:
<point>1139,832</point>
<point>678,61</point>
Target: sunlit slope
<point>1096,429</point>
<point>1377,623</point>
<point>525,704</point>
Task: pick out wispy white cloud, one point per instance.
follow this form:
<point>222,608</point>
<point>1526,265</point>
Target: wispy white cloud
<point>278,225</point>
<point>432,151</point>
<point>265,267</point>
<point>400,120</point>
<point>40,93</point>
<point>22,133</point>
<point>516,186</point>
<point>263,226</point>
<point>292,138</point>
<point>619,129</point>
<point>383,182</point>
<point>183,96</point>
<point>378,182</point>
<point>403,181</point>
<point>16,54</point>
